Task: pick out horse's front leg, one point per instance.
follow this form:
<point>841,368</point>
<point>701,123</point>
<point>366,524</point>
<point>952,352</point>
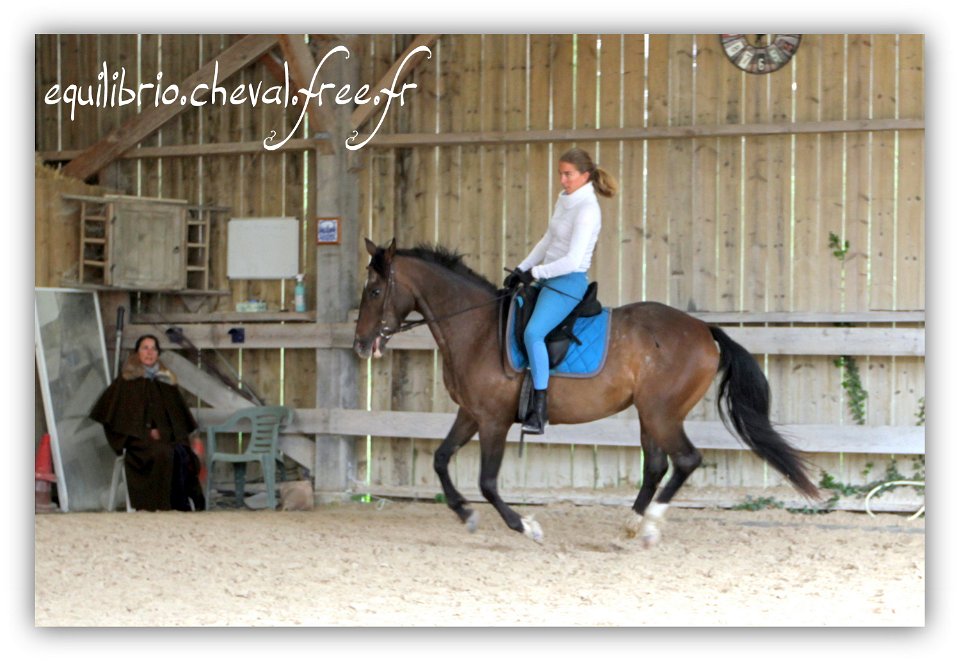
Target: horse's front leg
<point>493,439</point>
<point>464,427</point>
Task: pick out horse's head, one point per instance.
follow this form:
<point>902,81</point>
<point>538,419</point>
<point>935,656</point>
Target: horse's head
<point>384,303</point>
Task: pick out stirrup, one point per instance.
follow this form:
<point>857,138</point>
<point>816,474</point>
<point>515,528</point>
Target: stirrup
<point>533,425</point>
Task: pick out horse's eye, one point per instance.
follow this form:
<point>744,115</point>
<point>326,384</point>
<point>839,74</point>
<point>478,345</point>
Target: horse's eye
<point>375,292</point>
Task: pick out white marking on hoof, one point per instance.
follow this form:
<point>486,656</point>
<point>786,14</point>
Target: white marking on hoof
<point>650,527</point>
<point>651,535</point>
<point>532,529</point>
<point>472,522</point>
<point>631,525</point>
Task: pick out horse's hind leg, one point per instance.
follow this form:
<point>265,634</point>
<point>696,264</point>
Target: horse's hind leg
<point>464,427</point>
<point>654,469</point>
<point>685,459</point>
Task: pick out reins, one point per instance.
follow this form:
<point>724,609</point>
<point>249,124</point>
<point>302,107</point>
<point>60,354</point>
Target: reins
<point>407,326</point>
<point>387,333</point>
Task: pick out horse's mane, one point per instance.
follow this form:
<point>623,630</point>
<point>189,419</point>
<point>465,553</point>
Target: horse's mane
<point>437,255</point>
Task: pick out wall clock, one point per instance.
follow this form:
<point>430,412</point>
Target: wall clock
<point>759,54</point>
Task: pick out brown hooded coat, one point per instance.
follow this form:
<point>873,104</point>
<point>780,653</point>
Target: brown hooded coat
<point>129,408</point>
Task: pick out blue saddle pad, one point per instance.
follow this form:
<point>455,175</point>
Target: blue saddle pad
<point>581,361</point>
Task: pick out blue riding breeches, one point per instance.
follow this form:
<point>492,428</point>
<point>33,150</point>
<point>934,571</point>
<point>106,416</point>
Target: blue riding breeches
<point>558,296</point>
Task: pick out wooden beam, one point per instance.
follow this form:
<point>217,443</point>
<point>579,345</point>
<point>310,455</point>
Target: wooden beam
<point>389,141</point>
<point>121,139</point>
<point>823,341</point>
<point>811,438</point>
<point>197,150</point>
<point>721,317</point>
<point>363,112</point>
<point>302,67</point>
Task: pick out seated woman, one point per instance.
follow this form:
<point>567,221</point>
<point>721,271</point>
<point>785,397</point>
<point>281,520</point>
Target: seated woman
<point>143,412</point>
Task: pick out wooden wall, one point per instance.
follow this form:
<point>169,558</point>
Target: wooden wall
<point>725,223</point>
<point>721,224</point>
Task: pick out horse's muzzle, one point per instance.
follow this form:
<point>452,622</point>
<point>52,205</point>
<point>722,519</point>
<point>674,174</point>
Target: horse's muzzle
<point>365,348</point>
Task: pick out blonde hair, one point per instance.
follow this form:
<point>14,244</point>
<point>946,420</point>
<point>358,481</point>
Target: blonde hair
<point>603,182</point>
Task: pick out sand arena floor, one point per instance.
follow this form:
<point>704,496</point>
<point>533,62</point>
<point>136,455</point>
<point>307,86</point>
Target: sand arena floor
<point>412,564</point>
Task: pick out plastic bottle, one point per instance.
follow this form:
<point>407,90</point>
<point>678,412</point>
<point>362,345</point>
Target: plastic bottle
<point>300,295</point>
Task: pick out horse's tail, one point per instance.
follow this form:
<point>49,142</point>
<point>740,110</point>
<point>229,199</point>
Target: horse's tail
<point>745,393</point>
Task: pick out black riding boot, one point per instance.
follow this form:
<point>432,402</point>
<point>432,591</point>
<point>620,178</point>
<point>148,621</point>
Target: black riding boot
<point>537,419</point>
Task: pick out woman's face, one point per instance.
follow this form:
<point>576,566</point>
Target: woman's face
<point>148,352</point>
<point>571,179</point>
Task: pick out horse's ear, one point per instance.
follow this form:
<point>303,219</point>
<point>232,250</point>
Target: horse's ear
<point>392,249</point>
<point>371,247</point>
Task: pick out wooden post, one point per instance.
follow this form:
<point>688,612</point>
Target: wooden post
<point>337,186</point>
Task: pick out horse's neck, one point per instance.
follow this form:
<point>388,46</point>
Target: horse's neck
<point>461,312</point>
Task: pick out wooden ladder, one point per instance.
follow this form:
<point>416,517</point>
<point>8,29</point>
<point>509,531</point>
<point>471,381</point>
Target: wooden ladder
<point>198,247</point>
<point>96,215</point>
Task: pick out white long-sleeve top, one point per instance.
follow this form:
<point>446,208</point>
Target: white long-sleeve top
<point>571,235</point>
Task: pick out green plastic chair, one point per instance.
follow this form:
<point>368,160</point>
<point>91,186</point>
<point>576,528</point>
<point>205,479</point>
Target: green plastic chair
<point>262,447</point>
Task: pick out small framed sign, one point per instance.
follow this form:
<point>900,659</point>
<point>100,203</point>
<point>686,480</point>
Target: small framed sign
<point>328,230</point>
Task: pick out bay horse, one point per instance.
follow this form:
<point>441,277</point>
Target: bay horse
<point>660,360</point>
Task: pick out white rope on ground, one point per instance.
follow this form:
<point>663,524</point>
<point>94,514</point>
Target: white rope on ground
<point>876,489</point>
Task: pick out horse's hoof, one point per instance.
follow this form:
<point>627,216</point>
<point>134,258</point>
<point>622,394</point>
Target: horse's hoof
<point>651,533</point>
<point>472,521</point>
<point>532,529</point>
<point>631,525</point>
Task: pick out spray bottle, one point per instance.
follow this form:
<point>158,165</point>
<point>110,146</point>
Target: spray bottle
<point>300,295</point>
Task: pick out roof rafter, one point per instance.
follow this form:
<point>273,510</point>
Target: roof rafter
<point>363,113</point>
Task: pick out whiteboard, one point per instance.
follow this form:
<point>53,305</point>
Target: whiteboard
<point>263,248</point>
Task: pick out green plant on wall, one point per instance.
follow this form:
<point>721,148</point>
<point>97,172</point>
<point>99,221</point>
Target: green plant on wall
<point>839,251</point>
<point>856,394</point>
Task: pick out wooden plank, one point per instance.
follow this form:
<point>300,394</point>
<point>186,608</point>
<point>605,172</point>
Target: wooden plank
<point>682,236</point>
<point>471,173</point>
<point>450,162</point>
<point>607,255</point>
<point>911,179</point>
<point>567,136</point>
<point>224,148</point>
<point>659,183</point>
<point>46,75</point>
<point>541,198</point>
<point>70,49</point>
<point>811,438</point>
<point>149,169</point>
<point>729,189</point>
<point>880,286</point>
<point>883,171</point>
<point>516,243</point>
<point>858,194</point>
<point>878,341</point>
<point>634,203</point>
<point>492,181</point>
<point>118,141</point>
